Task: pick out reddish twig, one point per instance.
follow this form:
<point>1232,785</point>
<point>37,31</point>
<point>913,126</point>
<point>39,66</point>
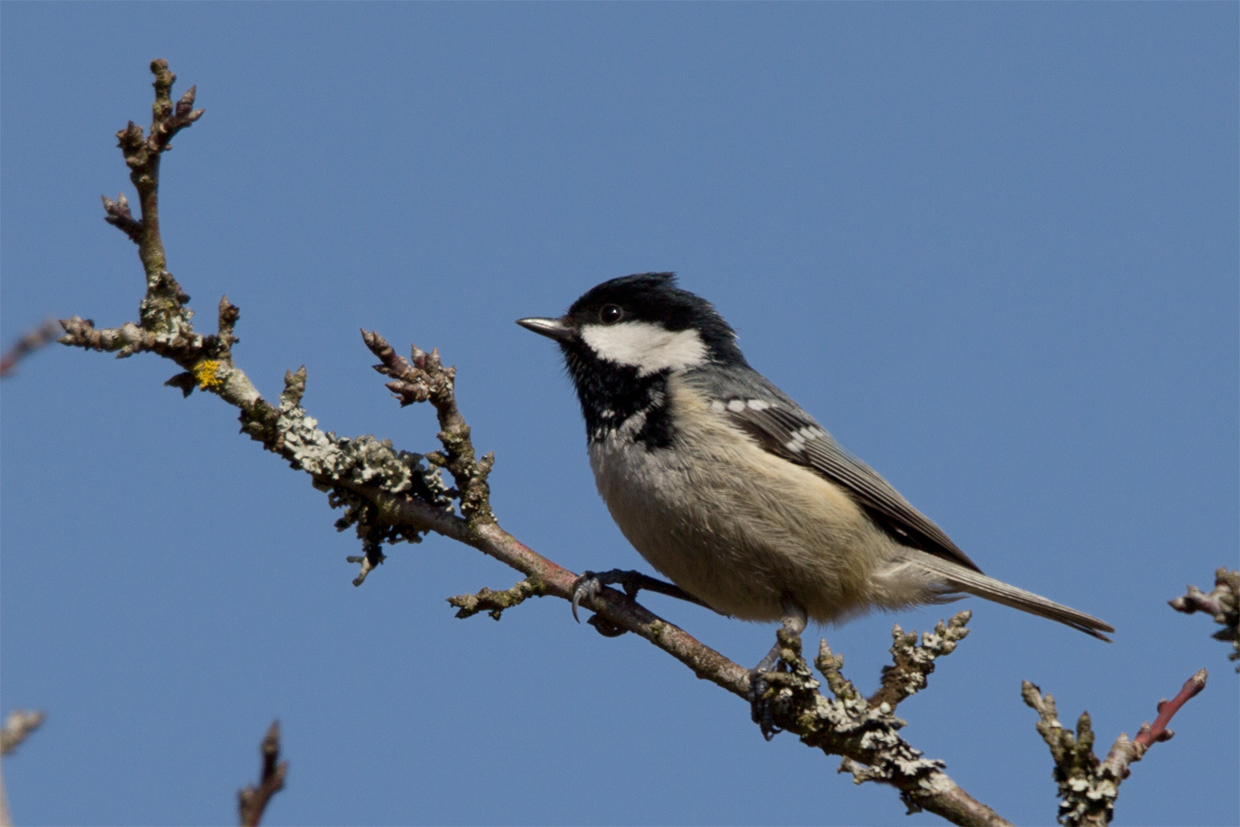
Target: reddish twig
<point>1148,734</point>
<point>252,801</point>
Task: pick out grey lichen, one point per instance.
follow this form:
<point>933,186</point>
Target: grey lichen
<point>874,728</point>
<point>340,465</point>
<point>494,603</point>
<point>1087,787</point>
<point>913,663</point>
<point>865,733</point>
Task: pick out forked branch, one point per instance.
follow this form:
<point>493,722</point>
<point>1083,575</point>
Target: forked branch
<point>1088,787</point>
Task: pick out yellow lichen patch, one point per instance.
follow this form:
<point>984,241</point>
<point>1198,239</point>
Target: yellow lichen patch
<point>207,372</point>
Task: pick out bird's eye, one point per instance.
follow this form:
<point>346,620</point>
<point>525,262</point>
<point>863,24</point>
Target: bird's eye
<point>611,313</point>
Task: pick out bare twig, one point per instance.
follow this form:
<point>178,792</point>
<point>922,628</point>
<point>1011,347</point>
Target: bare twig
<point>17,728</point>
<point>1148,734</point>
<point>30,341</point>
<point>1088,787</point>
<point>1223,604</point>
<point>119,216</point>
<point>252,801</point>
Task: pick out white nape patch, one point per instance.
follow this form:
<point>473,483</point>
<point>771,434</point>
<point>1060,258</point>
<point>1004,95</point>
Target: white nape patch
<point>647,347</point>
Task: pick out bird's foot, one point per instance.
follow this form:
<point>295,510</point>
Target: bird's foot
<point>589,584</point>
<point>760,705</point>
<point>768,681</point>
<point>587,587</point>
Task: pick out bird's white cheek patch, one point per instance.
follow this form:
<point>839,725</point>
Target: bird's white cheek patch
<point>645,346</point>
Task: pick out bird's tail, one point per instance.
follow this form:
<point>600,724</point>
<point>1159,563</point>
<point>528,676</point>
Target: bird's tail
<point>957,577</point>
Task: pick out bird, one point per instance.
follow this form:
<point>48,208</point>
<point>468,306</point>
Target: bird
<point>731,490</point>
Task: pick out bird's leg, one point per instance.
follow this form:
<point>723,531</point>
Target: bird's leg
<point>792,624</point>
<point>589,583</point>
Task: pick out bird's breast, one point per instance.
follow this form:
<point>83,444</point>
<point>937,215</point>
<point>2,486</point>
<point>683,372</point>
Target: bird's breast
<point>739,528</point>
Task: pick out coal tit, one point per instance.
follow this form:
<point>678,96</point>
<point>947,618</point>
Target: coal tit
<point>730,489</point>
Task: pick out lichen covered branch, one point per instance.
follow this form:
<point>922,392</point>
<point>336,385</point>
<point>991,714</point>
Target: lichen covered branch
<point>1222,603</point>
<point>866,734</point>
<point>1088,786</point>
<point>913,663</point>
<point>426,379</point>
<point>494,603</point>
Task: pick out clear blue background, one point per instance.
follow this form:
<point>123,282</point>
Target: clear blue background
<point>993,247</point>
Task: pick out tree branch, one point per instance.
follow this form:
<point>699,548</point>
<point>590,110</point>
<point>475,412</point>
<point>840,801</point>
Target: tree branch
<point>30,341</point>
<point>912,663</point>
<point>1223,604</point>
<point>1088,787</point>
<point>252,801</point>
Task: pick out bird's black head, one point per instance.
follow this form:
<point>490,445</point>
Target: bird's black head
<point>622,339</point>
<point>645,322</point>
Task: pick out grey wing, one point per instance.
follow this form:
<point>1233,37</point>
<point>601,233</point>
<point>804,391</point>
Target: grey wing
<point>781,427</point>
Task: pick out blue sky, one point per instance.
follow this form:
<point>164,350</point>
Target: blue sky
<point>992,247</point>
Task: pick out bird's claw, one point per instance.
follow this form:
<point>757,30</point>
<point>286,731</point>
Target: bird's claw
<point>760,705</point>
<point>761,698</point>
<point>586,588</point>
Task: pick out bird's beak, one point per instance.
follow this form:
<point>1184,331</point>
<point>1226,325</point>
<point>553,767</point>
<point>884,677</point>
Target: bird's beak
<point>551,328</point>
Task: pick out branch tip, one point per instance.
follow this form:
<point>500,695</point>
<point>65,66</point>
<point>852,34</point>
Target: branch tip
<point>30,341</point>
<point>17,728</point>
<point>1223,604</point>
<point>252,801</point>
<point>494,603</point>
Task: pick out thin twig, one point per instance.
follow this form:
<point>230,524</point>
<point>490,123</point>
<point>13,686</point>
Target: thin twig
<point>494,603</point>
<point>30,341</point>
<point>1148,734</point>
<point>252,801</point>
